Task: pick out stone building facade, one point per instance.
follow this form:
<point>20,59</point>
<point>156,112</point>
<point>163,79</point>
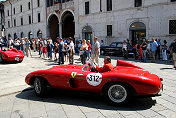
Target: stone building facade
<point>25,18</point>
<point>109,20</point>
<point>116,20</point>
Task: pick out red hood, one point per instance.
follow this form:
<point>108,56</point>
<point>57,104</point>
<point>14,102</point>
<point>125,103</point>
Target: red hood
<point>63,67</point>
<point>13,52</point>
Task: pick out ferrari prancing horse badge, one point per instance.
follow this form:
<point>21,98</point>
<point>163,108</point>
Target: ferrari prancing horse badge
<point>73,74</point>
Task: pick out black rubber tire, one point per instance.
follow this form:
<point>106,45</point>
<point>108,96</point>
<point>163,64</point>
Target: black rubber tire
<point>20,61</point>
<point>127,93</point>
<point>40,87</point>
<point>1,60</point>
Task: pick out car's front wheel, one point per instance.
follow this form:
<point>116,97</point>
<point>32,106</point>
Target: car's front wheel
<point>40,87</point>
<point>1,60</point>
<point>117,93</point>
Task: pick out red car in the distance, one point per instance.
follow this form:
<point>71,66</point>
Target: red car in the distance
<point>11,55</point>
<point>118,85</point>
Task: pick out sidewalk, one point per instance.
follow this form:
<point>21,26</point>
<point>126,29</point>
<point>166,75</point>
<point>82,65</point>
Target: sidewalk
<point>66,104</point>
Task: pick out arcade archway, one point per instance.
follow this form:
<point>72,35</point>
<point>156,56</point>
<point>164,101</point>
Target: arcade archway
<point>68,25</point>
<point>53,23</point>
<point>137,32</point>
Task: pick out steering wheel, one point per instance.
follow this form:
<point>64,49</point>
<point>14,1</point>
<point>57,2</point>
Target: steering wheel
<point>93,69</point>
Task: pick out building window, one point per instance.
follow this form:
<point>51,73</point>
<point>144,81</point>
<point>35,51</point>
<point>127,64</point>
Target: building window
<point>138,3</point>
<point>38,3</point>
<point>29,5</point>
<point>173,0</point>
<point>13,10</point>
<point>38,17</point>
<point>8,12</point>
<point>8,24</point>
<point>29,19</point>
<point>109,30</point>
<point>21,8</point>
<point>109,5</point>
<point>172,27</point>
<point>86,7</point>
<point>21,21</point>
<point>14,22</point>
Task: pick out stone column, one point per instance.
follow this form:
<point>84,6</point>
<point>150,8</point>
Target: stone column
<point>60,29</point>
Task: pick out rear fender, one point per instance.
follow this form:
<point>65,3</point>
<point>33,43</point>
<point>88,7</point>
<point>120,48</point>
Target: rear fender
<point>124,63</point>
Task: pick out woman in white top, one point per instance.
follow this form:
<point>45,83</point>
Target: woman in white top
<point>124,49</point>
<point>83,51</point>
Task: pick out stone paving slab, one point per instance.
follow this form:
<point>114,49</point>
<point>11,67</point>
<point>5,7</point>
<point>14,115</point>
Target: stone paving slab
<point>16,103</point>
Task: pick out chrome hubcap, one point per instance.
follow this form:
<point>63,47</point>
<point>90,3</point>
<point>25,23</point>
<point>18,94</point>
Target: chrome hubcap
<point>37,85</point>
<point>117,93</point>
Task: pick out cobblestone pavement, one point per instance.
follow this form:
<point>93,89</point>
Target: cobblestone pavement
<point>18,100</point>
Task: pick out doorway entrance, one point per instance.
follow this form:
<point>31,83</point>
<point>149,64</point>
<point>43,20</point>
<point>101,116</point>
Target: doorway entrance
<point>68,25</point>
<point>87,34</point>
<point>137,32</point>
<point>54,27</point>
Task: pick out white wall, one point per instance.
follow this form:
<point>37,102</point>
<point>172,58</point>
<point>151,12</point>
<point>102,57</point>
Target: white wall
<point>155,14</point>
<point>26,27</point>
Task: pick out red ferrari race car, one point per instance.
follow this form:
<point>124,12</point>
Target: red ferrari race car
<point>12,55</point>
<point>118,85</point>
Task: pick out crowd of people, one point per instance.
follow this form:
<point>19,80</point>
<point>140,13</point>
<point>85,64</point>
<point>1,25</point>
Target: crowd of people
<point>147,50</point>
<point>66,49</point>
<point>44,47</point>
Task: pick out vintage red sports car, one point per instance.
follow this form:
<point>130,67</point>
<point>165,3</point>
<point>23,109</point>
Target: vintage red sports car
<point>11,55</point>
<point>118,85</point>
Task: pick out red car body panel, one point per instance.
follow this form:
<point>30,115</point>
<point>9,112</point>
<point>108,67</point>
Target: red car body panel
<point>142,81</point>
<point>12,55</point>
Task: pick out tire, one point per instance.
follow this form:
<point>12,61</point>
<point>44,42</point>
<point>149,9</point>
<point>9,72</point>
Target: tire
<point>117,94</point>
<point>20,61</point>
<point>40,87</point>
<point>102,52</point>
<point>1,60</point>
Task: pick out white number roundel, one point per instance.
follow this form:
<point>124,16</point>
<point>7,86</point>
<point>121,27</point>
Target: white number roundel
<point>94,79</point>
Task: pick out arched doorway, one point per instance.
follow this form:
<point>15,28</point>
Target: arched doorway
<point>53,26</point>
<point>137,32</point>
<point>9,36</point>
<point>15,35</point>
<point>68,25</point>
<point>30,35</point>
<point>39,34</point>
<point>87,33</point>
<point>22,35</point>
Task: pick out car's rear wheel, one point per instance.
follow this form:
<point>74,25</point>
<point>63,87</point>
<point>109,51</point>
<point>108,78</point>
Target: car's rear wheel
<point>40,87</point>
<point>118,93</point>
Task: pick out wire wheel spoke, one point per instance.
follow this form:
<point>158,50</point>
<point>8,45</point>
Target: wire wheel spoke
<point>37,86</point>
<point>117,93</point>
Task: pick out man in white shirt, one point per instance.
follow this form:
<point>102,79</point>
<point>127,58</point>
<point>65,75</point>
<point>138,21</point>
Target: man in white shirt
<point>71,51</point>
<point>10,43</point>
<point>95,51</point>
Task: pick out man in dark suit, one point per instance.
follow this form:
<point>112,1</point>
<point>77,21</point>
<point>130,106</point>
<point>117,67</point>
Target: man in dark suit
<point>61,51</point>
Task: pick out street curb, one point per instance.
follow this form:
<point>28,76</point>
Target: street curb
<point>12,90</point>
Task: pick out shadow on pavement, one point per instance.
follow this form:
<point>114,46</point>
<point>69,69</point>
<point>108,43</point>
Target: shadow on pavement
<point>86,100</point>
<point>9,62</point>
<point>166,69</point>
